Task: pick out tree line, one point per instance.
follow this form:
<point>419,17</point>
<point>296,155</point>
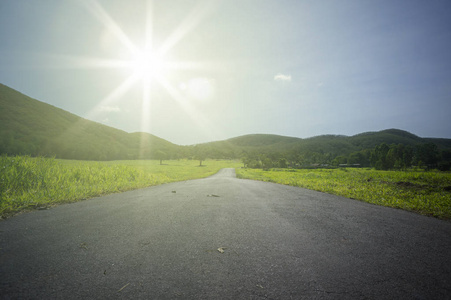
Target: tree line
<point>382,157</point>
<point>401,157</point>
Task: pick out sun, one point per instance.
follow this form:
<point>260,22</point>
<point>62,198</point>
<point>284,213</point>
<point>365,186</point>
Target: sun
<point>148,65</point>
<point>151,66</point>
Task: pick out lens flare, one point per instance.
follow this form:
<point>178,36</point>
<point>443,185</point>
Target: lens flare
<point>148,65</point>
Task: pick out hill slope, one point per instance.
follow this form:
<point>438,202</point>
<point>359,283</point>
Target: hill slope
<point>334,144</point>
<point>28,126</point>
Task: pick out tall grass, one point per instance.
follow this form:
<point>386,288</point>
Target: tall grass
<point>423,192</point>
<point>30,183</point>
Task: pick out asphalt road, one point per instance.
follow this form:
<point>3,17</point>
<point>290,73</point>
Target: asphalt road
<point>224,238</point>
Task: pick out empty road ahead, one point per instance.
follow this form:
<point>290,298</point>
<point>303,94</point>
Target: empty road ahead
<point>224,238</point>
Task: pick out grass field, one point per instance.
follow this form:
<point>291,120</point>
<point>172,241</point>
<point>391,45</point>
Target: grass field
<point>37,183</point>
<point>428,193</point>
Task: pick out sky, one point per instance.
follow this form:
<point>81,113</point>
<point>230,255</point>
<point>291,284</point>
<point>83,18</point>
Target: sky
<point>194,71</point>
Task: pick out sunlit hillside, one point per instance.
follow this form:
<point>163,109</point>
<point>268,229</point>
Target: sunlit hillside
<point>31,127</point>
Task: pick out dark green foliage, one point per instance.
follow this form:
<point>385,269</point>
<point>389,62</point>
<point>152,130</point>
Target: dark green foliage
<point>401,157</point>
<point>323,150</point>
<point>361,158</point>
<point>402,150</point>
<point>283,163</point>
<point>427,154</point>
<point>379,157</point>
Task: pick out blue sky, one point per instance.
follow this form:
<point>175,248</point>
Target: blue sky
<point>221,69</point>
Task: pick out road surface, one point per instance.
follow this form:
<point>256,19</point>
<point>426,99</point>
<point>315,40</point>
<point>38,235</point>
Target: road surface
<point>224,238</point>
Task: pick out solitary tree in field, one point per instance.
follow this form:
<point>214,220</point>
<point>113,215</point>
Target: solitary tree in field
<point>160,155</point>
<point>199,154</point>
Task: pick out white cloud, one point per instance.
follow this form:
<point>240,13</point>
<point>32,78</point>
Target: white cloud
<point>282,77</point>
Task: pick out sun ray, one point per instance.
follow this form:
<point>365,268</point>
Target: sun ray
<point>59,61</point>
<point>197,65</point>
<point>145,117</point>
<point>192,112</point>
<point>204,124</point>
<point>188,24</point>
<point>99,12</point>
<point>114,95</point>
<point>149,26</point>
<point>147,63</point>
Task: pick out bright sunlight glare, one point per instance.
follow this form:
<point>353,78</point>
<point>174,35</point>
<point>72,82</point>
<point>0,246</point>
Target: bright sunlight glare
<point>147,65</point>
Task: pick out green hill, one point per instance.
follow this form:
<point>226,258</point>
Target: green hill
<point>28,126</point>
<point>333,144</point>
<point>274,150</point>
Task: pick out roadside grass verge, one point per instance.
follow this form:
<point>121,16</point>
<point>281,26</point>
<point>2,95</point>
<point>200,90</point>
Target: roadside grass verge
<point>37,183</point>
<point>427,193</point>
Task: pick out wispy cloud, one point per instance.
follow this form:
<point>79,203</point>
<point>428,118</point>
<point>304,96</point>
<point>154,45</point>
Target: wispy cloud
<point>282,77</point>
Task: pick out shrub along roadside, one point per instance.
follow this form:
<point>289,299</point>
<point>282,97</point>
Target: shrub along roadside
<point>428,193</point>
<point>37,183</point>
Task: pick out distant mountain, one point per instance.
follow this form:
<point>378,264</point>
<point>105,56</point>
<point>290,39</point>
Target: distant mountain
<point>327,143</point>
<point>28,126</point>
<point>321,148</point>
